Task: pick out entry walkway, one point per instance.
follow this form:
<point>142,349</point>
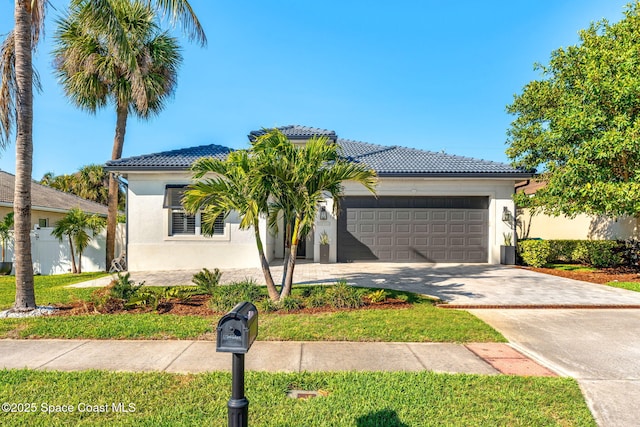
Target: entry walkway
<point>182,356</point>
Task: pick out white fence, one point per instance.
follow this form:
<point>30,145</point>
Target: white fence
<point>50,256</point>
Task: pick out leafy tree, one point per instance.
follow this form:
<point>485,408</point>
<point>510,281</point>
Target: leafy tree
<point>276,179</point>
<point>94,70</point>
<point>580,123</point>
<point>5,231</point>
<point>74,225</point>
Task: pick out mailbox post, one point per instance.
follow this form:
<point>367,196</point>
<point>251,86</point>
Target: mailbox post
<point>237,330</point>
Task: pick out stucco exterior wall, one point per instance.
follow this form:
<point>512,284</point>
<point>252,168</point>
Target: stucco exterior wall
<point>150,247</point>
<point>582,227</point>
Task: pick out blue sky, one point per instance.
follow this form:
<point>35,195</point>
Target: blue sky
<point>434,75</point>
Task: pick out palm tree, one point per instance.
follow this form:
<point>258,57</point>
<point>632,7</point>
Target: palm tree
<point>94,71</point>
<point>74,225</point>
<point>16,110</point>
<point>234,187</point>
<point>300,178</point>
<point>278,179</point>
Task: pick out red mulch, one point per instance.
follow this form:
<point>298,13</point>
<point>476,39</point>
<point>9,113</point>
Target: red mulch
<point>198,305</point>
<point>605,275</point>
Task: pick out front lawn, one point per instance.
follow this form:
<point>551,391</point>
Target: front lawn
<point>49,289</point>
<point>420,323</point>
<point>392,399</point>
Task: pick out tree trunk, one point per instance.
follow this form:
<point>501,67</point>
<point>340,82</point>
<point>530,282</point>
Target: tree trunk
<point>25,295</point>
<point>287,251</point>
<point>74,269</point>
<point>112,213</point>
<point>291,263</point>
<point>271,287</point>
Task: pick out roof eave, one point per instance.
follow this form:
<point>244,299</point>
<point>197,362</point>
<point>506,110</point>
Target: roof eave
<point>505,175</point>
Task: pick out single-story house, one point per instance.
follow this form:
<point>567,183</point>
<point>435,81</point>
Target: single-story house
<point>48,206</point>
<point>581,227</point>
<point>430,207</point>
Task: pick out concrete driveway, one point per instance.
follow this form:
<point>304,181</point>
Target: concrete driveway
<point>599,348</point>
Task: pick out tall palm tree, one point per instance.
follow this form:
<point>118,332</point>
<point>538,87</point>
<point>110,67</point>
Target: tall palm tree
<point>94,70</point>
<point>74,225</point>
<point>235,186</point>
<point>16,110</point>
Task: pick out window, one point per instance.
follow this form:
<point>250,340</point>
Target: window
<point>43,222</point>
<point>181,223</point>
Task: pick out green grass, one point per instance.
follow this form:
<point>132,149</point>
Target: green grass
<point>421,323</point>
<point>391,399</point>
<point>571,267</point>
<point>631,286</point>
<point>49,289</point>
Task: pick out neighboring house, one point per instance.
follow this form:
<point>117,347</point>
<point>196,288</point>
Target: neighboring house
<point>589,227</point>
<point>431,207</point>
<point>48,207</point>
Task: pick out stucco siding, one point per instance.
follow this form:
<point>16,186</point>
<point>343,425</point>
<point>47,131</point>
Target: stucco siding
<point>152,248</point>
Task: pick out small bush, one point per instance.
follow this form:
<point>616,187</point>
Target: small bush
<point>123,287</point>
<point>226,297</point>
<point>535,253</point>
<point>291,303</point>
<point>266,305</point>
<point>630,252</point>
<point>377,296</point>
<point>341,295</point>
<point>206,281</point>
<point>317,297</point>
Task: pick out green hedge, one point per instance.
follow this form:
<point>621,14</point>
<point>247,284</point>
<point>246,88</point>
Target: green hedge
<point>598,253</point>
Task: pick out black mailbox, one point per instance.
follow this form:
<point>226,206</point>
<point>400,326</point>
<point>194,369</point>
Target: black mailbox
<point>238,329</point>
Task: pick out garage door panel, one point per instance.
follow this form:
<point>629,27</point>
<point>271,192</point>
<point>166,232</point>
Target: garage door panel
<point>400,230</point>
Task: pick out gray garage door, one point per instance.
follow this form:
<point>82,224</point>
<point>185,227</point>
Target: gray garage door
<point>413,229</point>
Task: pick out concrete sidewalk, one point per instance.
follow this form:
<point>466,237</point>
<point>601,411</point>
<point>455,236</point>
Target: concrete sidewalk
<point>200,356</point>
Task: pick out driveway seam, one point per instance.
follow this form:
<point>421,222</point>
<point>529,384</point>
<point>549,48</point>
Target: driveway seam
<point>301,354</point>
<point>85,342</point>
<point>540,306</point>
<point>177,356</point>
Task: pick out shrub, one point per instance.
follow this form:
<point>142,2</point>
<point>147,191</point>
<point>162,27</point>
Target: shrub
<point>206,281</point>
<point>123,287</point>
<point>377,296</point>
<point>341,295</point>
<point>630,252</point>
<point>291,303</point>
<point>226,297</point>
<point>598,253</point>
<point>266,305</point>
<point>535,253</point>
<point>317,297</point>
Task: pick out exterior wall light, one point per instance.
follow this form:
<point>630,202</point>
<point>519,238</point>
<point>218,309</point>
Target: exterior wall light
<point>507,216</point>
<point>323,213</point>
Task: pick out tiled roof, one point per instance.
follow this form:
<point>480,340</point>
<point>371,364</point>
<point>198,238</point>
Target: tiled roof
<point>297,132</point>
<point>385,160</point>
<point>402,161</point>
<point>47,198</point>
<point>169,160</point>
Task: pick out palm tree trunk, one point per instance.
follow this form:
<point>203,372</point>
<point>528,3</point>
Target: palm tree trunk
<point>112,212</point>
<point>271,287</point>
<point>74,270</point>
<point>291,263</point>
<point>25,295</point>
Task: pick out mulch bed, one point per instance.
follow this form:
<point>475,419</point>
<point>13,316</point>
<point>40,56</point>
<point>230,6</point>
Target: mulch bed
<point>198,305</point>
<point>602,276</point>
